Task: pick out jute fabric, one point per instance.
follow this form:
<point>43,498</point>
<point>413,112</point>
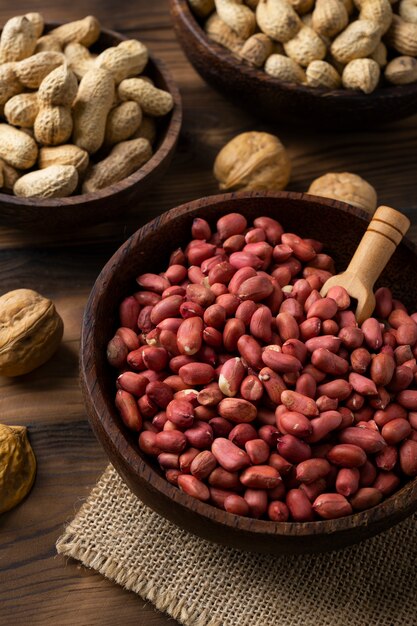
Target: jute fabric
<point>202,584</point>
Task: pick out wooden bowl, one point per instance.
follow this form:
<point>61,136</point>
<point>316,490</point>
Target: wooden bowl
<point>110,202</point>
<point>340,227</point>
<point>272,100</point>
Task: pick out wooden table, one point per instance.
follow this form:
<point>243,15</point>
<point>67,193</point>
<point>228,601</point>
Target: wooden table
<point>36,586</point>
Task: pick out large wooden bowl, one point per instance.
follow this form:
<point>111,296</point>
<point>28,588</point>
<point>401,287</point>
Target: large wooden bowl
<point>110,202</point>
<point>340,227</point>
<point>274,101</point>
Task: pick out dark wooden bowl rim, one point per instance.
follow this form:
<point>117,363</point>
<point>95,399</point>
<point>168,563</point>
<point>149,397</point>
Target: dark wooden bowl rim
<point>163,149</point>
<point>182,9</point>
<point>105,427</point>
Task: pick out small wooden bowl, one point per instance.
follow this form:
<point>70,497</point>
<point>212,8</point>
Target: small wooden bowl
<point>110,202</point>
<point>336,224</point>
<point>272,100</point>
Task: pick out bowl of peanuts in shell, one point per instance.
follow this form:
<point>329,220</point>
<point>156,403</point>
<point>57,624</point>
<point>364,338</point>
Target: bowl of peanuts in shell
<point>90,119</point>
<point>233,398</point>
<point>328,63</point>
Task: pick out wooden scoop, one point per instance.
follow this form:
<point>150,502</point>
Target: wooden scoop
<point>375,249</point>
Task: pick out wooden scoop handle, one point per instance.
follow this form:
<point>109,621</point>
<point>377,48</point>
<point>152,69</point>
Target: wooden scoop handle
<point>376,247</point>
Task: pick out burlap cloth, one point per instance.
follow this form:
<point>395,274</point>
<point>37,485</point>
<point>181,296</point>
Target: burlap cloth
<point>203,584</point>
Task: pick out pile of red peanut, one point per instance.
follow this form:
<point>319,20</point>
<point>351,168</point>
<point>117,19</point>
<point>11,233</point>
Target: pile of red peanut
<point>254,393</point>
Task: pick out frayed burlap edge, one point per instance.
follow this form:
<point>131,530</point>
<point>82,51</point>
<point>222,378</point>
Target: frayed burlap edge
<point>69,546</point>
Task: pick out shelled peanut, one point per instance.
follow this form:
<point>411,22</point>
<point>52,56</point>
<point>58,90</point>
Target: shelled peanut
<point>256,394</point>
<point>59,99</point>
<point>323,44</point>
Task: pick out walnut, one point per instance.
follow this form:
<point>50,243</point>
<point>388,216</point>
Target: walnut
<point>30,331</point>
<point>17,466</point>
<point>253,161</point>
<point>345,187</point>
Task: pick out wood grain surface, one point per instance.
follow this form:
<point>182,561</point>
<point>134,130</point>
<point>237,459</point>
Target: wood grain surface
<point>36,586</point>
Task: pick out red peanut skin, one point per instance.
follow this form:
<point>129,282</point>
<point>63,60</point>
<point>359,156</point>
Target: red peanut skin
<point>273,229</point>
<point>221,427</point>
<point>299,506</point>
<point>408,399</point>
<point>160,393</point>
<point>167,460</point>
<point>223,479</point>
<point>257,288</point>
<point>408,457</point>
<point>193,487</point>
<point>311,470</point>
<point>190,335</point>
<point>365,498</point>
<point>362,385</point>
<point>273,383</point>
<point>387,458</point>
<point>347,455</point>
<point>292,449</point>
<point>218,496</point>
<point>228,455</point>
<point>171,441</point>
<point>314,489</point>
<point>338,388</point>
<point>257,500</point>
<point>332,506</point>
<point>328,342</point>
<point>278,511</point>
<point>396,430</point>
<point>133,383</point>
<point>372,333</point>
<point>360,359</point>
<point>196,373</point>
<point>328,362</point>
<point>128,409</point>
<point>117,352</point>
<point>306,385</point>
<point>231,376</point>
<point>287,326</point>
<point>260,477</point>
<point>237,505</point>
<point>323,425</point>
<point>129,337</point>
<point>181,413</point>
<point>250,350</point>
<point>241,434</point>
<point>200,435</point>
<point>282,465</point>
<point>203,464</point>
<point>237,410</point>
<point>293,423</point>
<point>368,474</point>
<point>370,441</point>
<point>297,402</point>
<point>258,451</point>
<point>347,481</point>
<point>386,482</point>
<point>147,443</point>
<point>251,388</point>
<point>382,369</point>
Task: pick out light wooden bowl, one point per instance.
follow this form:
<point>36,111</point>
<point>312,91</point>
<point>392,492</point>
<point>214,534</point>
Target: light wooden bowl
<point>266,97</point>
<point>95,207</point>
<point>340,227</point>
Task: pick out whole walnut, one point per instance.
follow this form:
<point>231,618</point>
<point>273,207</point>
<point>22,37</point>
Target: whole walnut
<point>253,161</point>
<point>345,187</point>
<point>30,331</point>
<point>17,466</point>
